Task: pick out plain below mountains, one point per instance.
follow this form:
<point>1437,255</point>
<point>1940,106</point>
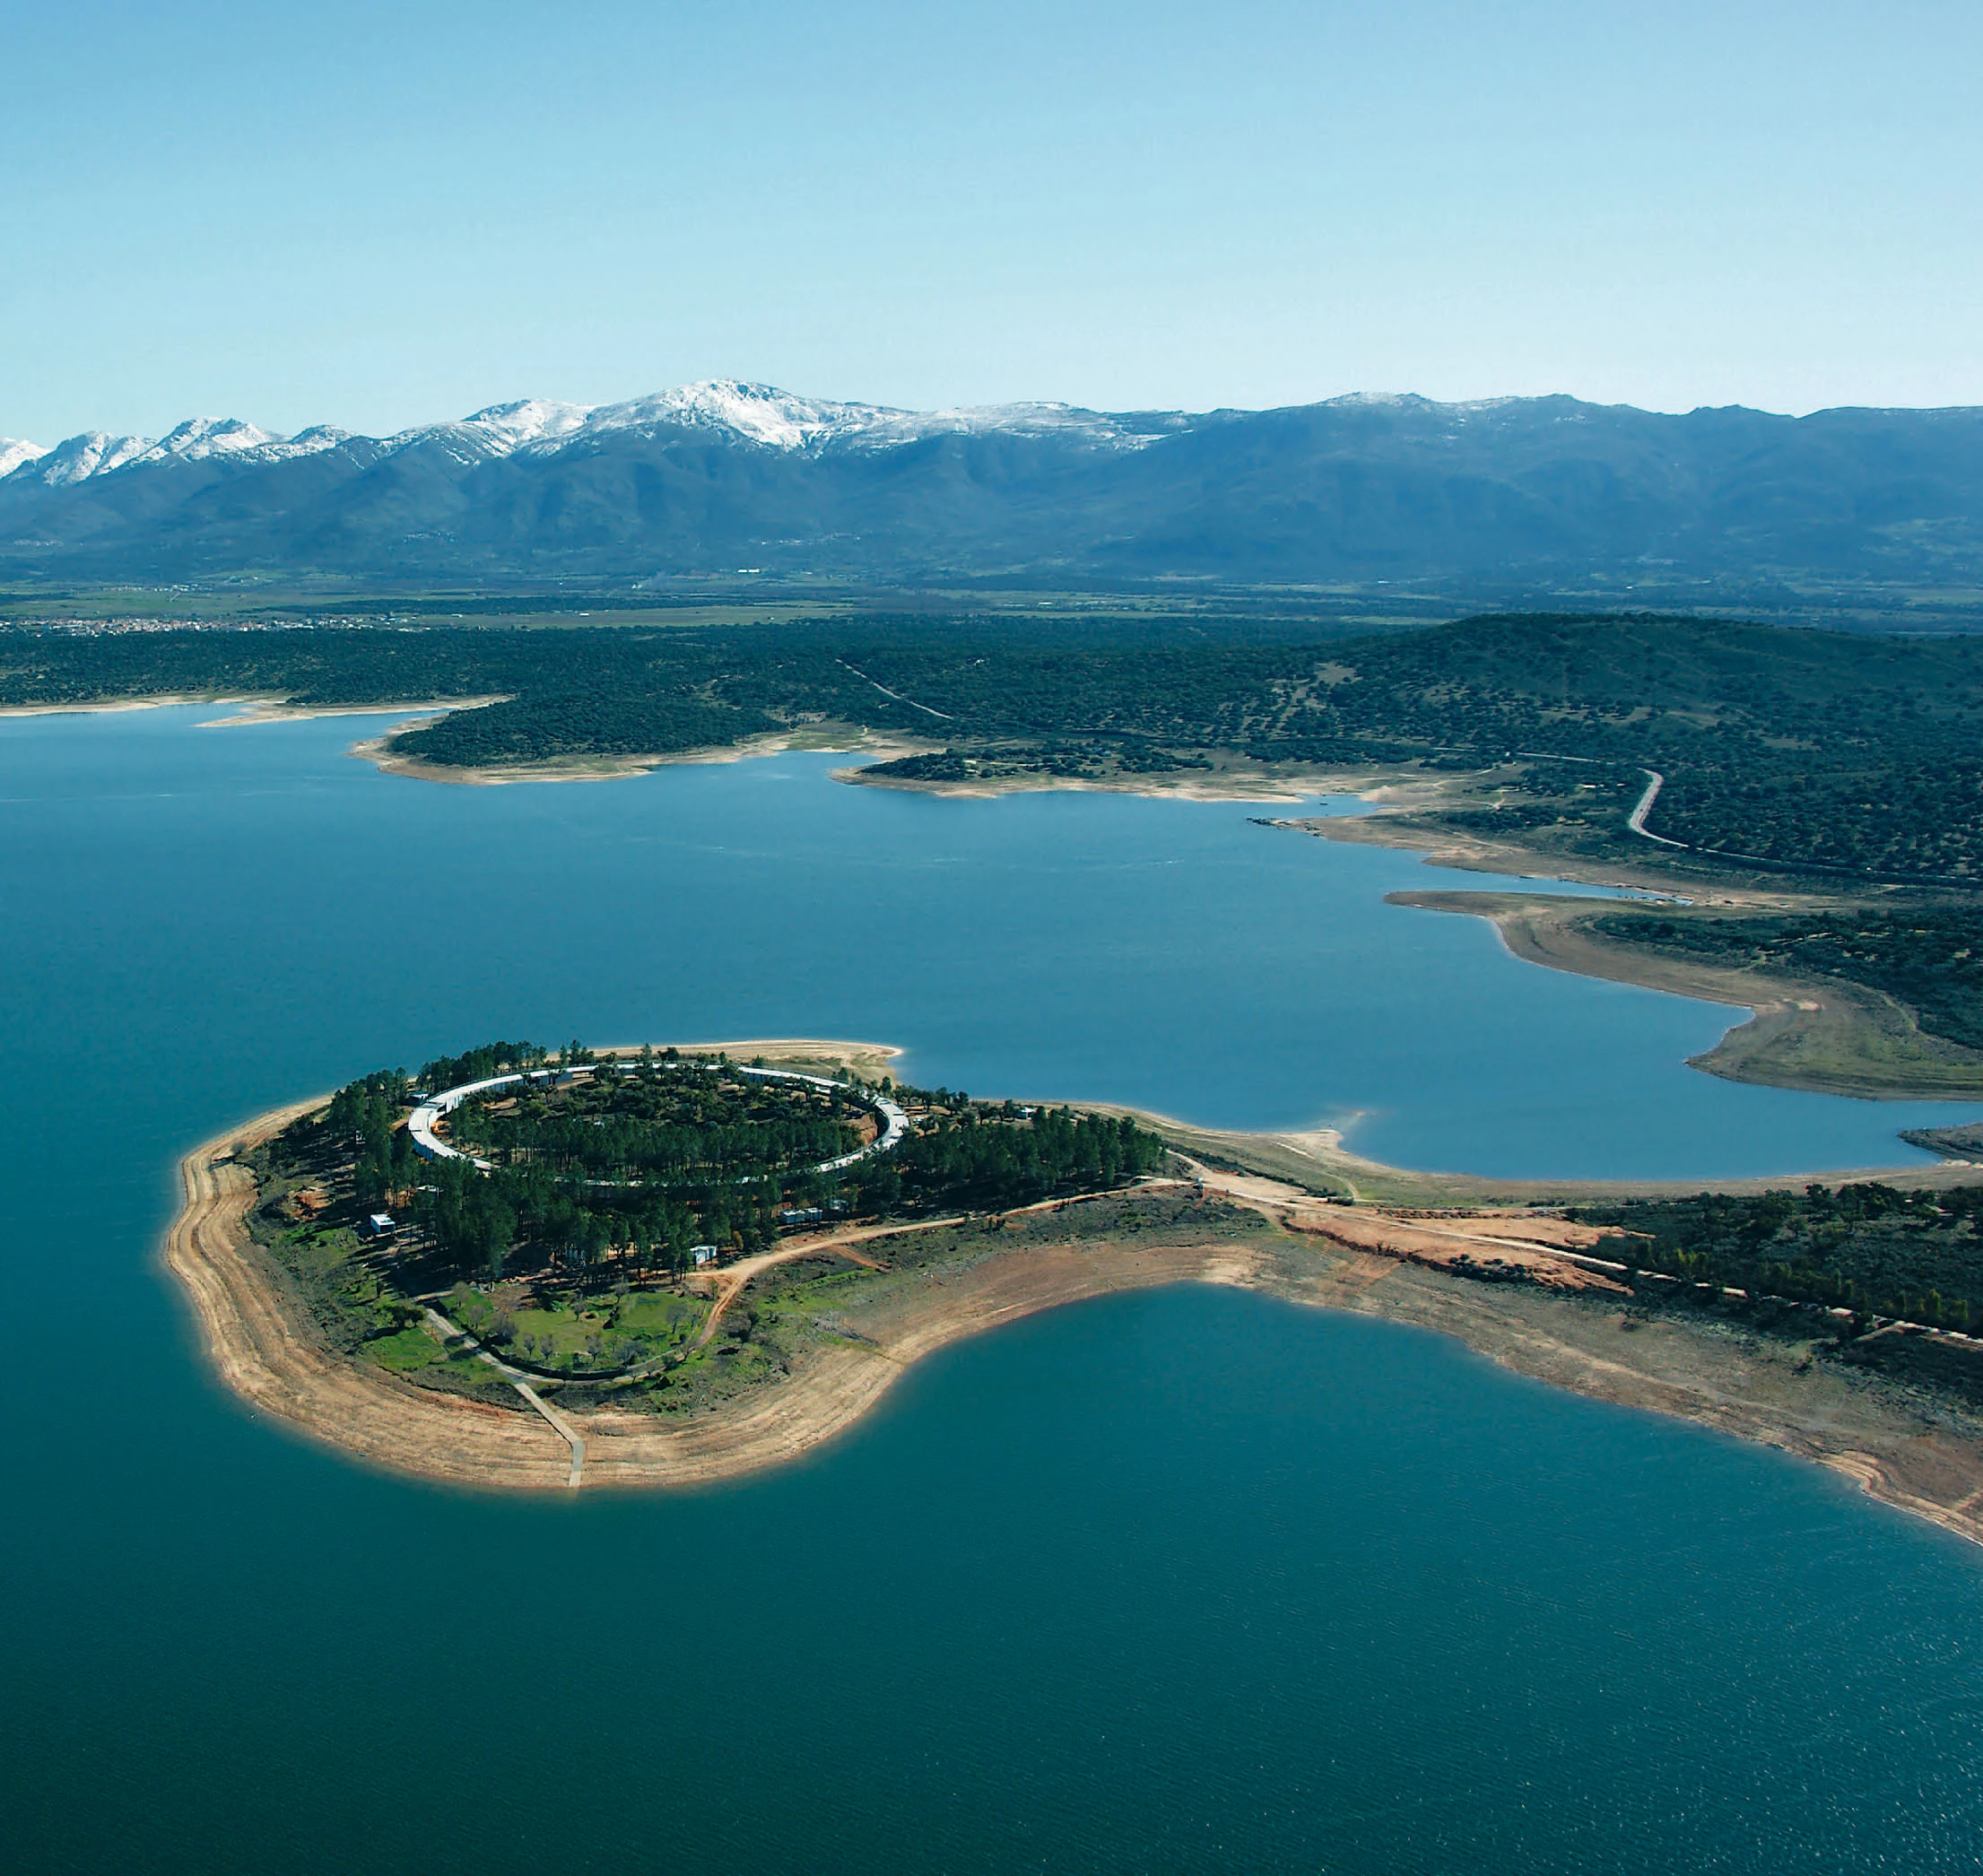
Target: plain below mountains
<point>725,480</point>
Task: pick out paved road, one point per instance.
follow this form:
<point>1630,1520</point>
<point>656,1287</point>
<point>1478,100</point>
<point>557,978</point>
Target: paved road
<point>1636,819</point>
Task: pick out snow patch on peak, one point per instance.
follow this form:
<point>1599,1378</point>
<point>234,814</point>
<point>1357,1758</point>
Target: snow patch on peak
<point>201,436</point>
<point>1026,420</point>
<point>77,458</point>
<point>16,450</point>
<point>1412,400</point>
<point>1378,400</point>
<point>313,441</point>
<point>530,420</point>
<point>778,420</point>
<point>762,412</point>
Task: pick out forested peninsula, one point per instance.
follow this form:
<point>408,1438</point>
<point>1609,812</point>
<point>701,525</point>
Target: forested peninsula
<point>627,1268</point>
<point>1842,754</point>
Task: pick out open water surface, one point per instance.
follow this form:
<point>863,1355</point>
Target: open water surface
<point>1174,1581</point>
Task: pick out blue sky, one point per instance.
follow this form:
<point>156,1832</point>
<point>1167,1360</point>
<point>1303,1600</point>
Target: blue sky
<point>379,216</point>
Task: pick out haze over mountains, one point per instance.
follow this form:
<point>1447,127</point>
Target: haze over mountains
<point>725,478</point>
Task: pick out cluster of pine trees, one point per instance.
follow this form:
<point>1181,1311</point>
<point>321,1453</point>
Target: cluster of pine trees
<point>483,1225</point>
<point>995,1157</point>
<point>661,1123</point>
<point>364,1117</point>
<point>485,1063</point>
<point>637,1167</point>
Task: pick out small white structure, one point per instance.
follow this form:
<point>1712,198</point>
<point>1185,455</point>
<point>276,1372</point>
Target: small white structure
<point>381,1225</point>
<point>704,1254</point>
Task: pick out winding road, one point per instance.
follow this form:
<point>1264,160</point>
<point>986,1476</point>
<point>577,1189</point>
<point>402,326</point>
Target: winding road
<point>1636,819</point>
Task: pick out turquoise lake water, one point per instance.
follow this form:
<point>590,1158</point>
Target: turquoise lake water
<point>1185,1580</point>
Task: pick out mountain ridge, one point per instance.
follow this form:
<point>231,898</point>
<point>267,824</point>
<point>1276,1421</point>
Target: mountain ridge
<point>726,476</point>
<point>759,413</point>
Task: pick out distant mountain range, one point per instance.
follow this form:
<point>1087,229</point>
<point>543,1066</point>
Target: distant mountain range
<point>725,479</point>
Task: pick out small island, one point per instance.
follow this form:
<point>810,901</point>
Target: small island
<point>665,1266</point>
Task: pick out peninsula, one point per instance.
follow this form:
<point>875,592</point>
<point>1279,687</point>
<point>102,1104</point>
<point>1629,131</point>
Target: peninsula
<point>669,1265</point>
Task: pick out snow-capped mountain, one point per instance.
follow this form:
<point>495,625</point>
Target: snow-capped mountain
<point>200,436</point>
<point>533,420</point>
<point>77,458</point>
<point>778,421</point>
<point>709,479</point>
<point>734,411</point>
<point>17,450</point>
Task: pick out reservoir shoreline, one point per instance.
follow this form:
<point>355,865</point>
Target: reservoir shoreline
<point>1827,1038</point>
<point>1565,1323</point>
<point>1818,1035</point>
<point>1830,1037</point>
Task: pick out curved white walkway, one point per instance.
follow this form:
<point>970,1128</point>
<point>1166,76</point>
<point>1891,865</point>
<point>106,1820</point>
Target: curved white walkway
<point>432,1111</point>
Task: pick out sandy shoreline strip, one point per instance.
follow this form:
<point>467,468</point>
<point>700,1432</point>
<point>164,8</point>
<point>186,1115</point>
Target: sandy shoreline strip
<point>1825,1036</point>
<point>256,710</point>
<point>107,707</point>
<point>250,708</point>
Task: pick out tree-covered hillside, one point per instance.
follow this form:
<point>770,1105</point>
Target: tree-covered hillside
<point>1831,751</point>
<point>1928,958</point>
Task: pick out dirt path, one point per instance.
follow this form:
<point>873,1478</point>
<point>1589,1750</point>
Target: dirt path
<point>1549,1251</point>
<point>1636,819</point>
<point>733,1279</point>
<point>452,1332</point>
<point>941,715</point>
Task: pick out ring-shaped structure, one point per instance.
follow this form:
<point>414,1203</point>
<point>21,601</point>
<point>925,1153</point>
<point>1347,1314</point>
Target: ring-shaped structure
<point>420,1124</point>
